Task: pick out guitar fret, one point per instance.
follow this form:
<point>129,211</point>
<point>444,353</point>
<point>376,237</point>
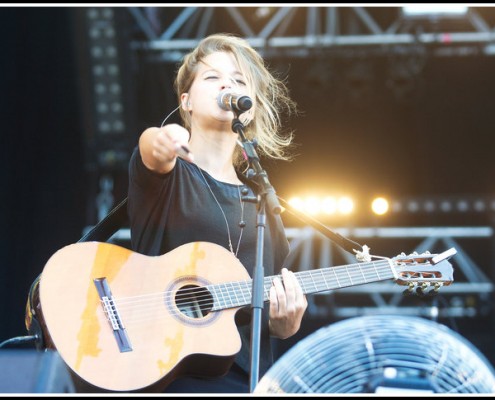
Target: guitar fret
<point>241,291</point>
<point>322,284</point>
<point>215,298</point>
<point>221,299</point>
<point>348,274</point>
<point>235,295</point>
<point>244,290</point>
<point>361,270</point>
<point>324,280</point>
<point>336,277</point>
<point>343,278</point>
<point>354,274</point>
<point>266,288</point>
<point>377,274</point>
<point>313,281</point>
<point>302,282</point>
<point>227,295</point>
<point>332,278</point>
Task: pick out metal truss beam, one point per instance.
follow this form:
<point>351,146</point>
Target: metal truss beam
<point>304,31</point>
<point>310,248</point>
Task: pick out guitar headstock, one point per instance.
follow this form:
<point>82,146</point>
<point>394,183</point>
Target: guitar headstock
<point>425,273</point>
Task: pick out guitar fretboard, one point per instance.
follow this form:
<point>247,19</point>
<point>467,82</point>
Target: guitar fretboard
<point>238,294</point>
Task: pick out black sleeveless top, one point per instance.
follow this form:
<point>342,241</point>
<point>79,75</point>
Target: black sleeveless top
<point>168,210</point>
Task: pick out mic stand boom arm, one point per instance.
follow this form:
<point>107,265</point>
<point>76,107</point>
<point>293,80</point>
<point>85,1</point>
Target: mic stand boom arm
<point>345,243</point>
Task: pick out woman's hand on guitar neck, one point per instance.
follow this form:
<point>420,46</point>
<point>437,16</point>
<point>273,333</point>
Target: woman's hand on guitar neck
<point>287,305</point>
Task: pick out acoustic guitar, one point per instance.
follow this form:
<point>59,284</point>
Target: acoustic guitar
<point>123,321</point>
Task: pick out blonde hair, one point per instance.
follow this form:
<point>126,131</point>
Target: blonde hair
<point>271,94</point>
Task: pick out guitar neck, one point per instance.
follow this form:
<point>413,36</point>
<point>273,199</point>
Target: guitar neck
<point>238,294</point>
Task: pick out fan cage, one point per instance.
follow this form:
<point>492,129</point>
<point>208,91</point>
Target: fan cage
<point>385,353</point>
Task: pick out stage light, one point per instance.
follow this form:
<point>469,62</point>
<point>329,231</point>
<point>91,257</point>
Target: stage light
<point>104,54</point>
<point>263,12</point>
<point>429,206</point>
<point>297,203</point>
<point>312,205</point>
<point>434,10</point>
<point>380,206</point>
<point>479,205</point>
<point>446,206</point>
<point>462,206</point>
<point>329,205</point>
<point>345,205</point>
<point>412,206</point>
<point>397,206</point>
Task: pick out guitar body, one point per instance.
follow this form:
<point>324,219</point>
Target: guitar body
<point>157,340</point>
<point>126,322</point>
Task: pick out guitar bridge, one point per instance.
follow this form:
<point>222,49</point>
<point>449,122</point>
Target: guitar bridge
<point>113,315</point>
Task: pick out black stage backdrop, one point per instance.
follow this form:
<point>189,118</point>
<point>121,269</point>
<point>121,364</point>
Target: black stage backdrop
<point>439,143</point>
<point>43,201</point>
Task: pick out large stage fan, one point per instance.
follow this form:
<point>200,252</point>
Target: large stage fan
<point>381,354</point>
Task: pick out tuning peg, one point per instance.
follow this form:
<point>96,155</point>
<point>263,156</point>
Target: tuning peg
<point>410,289</point>
<point>422,290</point>
<point>435,289</point>
<point>426,290</point>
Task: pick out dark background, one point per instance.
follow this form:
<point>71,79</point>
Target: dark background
<point>435,141</point>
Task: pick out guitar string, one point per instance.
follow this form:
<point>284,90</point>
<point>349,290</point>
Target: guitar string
<point>154,313</point>
<point>302,279</point>
<point>123,301</point>
<point>159,305</point>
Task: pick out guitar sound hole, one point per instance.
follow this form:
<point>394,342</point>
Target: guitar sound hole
<point>194,301</point>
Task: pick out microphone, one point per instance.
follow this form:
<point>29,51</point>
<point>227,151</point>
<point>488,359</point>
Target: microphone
<point>230,101</point>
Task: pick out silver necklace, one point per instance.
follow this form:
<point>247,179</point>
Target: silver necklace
<point>242,224</point>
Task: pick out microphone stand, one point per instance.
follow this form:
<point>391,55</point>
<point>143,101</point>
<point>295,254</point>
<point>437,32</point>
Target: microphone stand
<point>267,197</point>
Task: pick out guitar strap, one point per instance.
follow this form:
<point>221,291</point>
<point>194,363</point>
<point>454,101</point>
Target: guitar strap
<point>104,229</point>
